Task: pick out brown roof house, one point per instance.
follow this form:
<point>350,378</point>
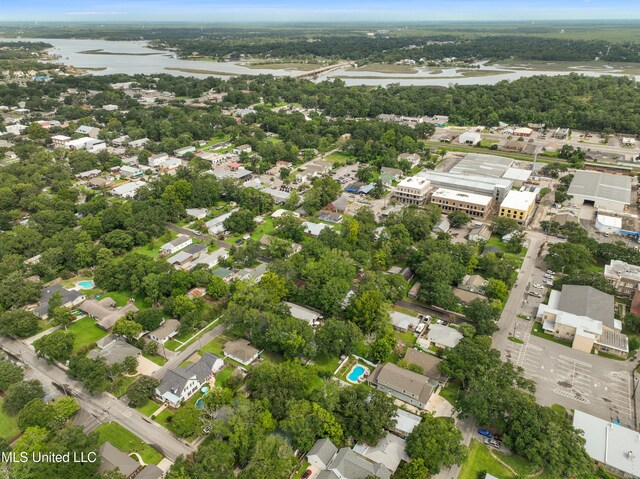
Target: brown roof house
<point>400,383</point>
<point>106,312</point>
<point>429,365</point>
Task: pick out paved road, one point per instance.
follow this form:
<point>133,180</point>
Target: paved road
<point>102,407</point>
<point>184,354</point>
<point>467,426</point>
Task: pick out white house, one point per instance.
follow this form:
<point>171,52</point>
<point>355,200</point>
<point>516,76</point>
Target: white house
<point>167,330</point>
<point>176,245</point>
<point>179,384</point>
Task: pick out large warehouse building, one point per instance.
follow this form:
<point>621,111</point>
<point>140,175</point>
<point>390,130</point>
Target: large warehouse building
<point>485,165</point>
<point>602,190</point>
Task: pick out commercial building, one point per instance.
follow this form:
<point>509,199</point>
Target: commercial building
<point>413,190</point>
<point>476,206</point>
<point>484,165</point>
<point>524,132</point>
<point>497,188</point>
<point>602,190</point>
<point>623,276</point>
<point>584,315</point>
<point>616,447</point>
<point>518,205</point>
<point>608,224</point>
<point>470,138</point>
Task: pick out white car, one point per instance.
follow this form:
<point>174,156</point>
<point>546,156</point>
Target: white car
<point>548,276</point>
<point>550,272</point>
<point>538,286</point>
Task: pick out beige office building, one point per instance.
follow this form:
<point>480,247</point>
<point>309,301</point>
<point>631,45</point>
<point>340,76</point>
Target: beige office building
<point>476,206</point>
<point>413,191</point>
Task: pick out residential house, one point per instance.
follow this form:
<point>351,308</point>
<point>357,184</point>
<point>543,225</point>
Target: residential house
<point>69,299</point>
<point>106,312</point>
<point>127,190</point>
<point>406,422</point>
<point>584,316</point>
<point>311,316</point>
<point>343,463</point>
<point>157,159</point>
<point>85,175</point>
<point>59,141</point>
<point>197,213</point>
<point>127,171</point>
<point>442,226</point>
<point>479,233</point>
<point>412,158</point>
<point>389,451</point>
<point>223,273</point>
<point>114,459</point>
<point>623,276</point>
<point>314,229</point>
<point>339,205</point>
<point>167,330</point>
<point>465,297</point>
<point>394,172</point>
<point>252,273</point>
<point>400,383</point>
<point>90,131</point>
<point>176,245</point>
<point>415,290</point>
<point>242,149</point>
<point>150,471</point>
<point>138,143</point>
<point>403,322</point>
<point>209,259</point>
<point>179,384</point>
<point>442,337</point>
<point>429,365</point>
<point>240,350</point>
<point>216,225</point>
<point>405,272</point>
<point>113,350</point>
<point>473,283</point>
<point>187,255</point>
<point>330,217</point>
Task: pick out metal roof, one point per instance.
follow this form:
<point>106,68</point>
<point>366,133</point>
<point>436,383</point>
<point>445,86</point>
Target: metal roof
<point>603,186</point>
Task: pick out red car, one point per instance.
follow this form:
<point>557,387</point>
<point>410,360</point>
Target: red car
<point>307,473</point>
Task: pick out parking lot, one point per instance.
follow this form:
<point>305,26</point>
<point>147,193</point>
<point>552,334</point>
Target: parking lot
<point>574,379</point>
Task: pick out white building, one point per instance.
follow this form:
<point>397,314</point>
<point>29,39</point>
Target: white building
<point>128,190</point>
<point>176,245</point>
<point>413,190</point>
<point>601,190</point>
<point>608,224</point>
<point>60,140</point>
<point>470,138</point>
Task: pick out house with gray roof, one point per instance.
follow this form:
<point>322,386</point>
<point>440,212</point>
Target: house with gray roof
<point>151,471</point>
<point>114,350</point>
<point>176,245</point>
<point>241,351</point>
<point>167,330</point>
<point>389,451</point>
<point>343,463</point>
<point>443,336</point>
<point>106,312</point>
<point>112,458</point>
<point>429,365</point>
<point>400,383</point>
<point>406,422</point>
<point>180,384</point>
<point>70,298</point>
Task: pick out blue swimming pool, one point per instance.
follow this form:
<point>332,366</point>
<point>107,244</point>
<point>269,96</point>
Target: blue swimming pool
<point>88,284</point>
<point>355,373</point>
<point>199,403</point>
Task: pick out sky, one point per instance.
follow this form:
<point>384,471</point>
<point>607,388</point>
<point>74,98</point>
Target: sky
<point>315,10</point>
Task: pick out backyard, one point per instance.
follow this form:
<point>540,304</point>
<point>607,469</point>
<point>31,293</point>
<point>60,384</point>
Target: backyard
<point>8,424</point>
<point>152,249</point>
<point>86,332</point>
<point>127,442</point>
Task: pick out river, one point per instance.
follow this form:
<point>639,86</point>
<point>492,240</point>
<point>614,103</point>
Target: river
<point>103,57</point>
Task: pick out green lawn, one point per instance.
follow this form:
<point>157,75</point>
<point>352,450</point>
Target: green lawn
<point>325,364</point>
<point>8,424</point>
<point>537,330</point>
<point>223,376</point>
<point>119,386</point>
<point>479,459</point>
<point>172,345</point>
<point>122,298</point>
<point>152,249</point>
<point>164,418</point>
<point>450,392</point>
<point>516,340</point>
<point>86,332</point>
<point>149,408</point>
<point>215,346</point>
<point>159,360</point>
<point>262,229</point>
<point>338,157</point>
<point>127,442</point>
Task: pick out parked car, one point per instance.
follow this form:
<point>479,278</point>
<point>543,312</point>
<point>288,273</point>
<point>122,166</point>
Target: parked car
<point>550,272</point>
<point>239,242</point>
<point>533,293</point>
<point>307,473</point>
<point>538,286</point>
<point>493,443</point>
<point>548,276</point>
<point>485,433</point>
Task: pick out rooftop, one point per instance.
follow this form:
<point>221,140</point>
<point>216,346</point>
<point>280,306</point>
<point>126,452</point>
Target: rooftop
<point>605,186</point>
<point>519,200</point>
<point>455,195</point>
<point>485,165</point>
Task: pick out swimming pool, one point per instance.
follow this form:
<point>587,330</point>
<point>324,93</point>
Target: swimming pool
<point>88,284</point>
<point>355,373</point>
<point>199,403</point>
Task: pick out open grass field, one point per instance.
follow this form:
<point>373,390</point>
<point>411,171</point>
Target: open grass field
<point>122,298</point>
<point>387,68</point>
<point>152,249</point>
<point>307,67</point>
<point>338,157</point>
<point>127,442</point>
<point>86,332</point>
<point>8,424</point>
